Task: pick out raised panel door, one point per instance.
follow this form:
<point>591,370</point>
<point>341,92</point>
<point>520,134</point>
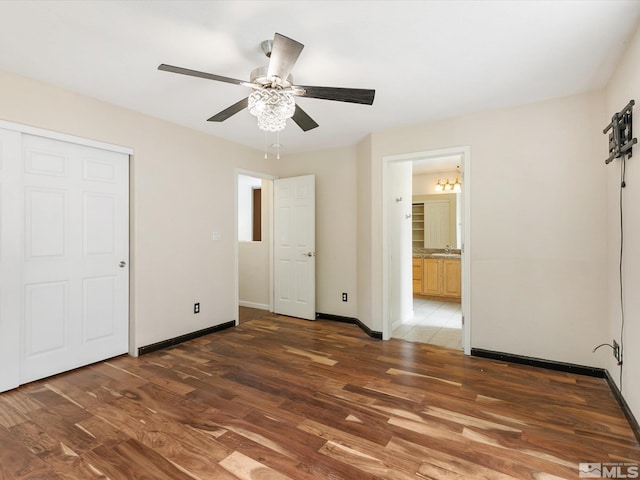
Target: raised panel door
<point>75,278</point>
<point>431,274</point>
<point>294,249</point>
<point>451,278</point>
<point>436,224</point>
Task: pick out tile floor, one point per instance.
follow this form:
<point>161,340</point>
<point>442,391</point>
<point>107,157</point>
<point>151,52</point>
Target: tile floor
<point>434,322</point>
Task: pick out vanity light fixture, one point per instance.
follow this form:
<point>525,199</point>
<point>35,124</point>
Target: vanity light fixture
<point>448,187</point>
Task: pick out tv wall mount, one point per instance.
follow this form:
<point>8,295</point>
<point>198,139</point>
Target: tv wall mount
<point>620,131</point>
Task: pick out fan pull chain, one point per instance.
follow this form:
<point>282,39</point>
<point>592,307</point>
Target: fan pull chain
<point>265,145</point>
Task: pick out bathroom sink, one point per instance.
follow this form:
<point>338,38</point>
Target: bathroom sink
<point>446,255</point>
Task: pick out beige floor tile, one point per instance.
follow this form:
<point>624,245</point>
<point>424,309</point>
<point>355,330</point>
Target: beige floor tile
<point>434,322</point>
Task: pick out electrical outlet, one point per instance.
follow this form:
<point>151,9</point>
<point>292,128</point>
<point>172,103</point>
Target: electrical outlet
<point>616,350</point>
<point>344,296</point>
<point>196,308</point>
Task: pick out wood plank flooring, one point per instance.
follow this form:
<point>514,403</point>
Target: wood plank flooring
<point>279,398</point>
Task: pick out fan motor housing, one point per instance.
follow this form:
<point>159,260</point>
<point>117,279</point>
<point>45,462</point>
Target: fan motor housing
<point>259,76</point>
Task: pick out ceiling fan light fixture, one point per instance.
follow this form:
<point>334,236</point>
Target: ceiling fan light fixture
<point>272,108</point>
<point>272,101</point>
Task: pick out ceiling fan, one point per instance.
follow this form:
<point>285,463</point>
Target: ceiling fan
<point>273,90</point>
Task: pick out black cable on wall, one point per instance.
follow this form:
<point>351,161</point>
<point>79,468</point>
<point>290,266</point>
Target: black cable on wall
<point>623,171</point>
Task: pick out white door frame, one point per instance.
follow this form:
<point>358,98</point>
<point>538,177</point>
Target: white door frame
<point>266,176</point>
<point>465,152</point>
<point>40,132</point>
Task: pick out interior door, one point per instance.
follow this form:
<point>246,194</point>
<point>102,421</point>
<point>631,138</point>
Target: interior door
<point>10,262</point>
<point>436,224</point>
<point>295,247</point>
<point>75,277</point>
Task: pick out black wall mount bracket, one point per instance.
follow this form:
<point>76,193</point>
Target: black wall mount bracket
<point>621,133</point>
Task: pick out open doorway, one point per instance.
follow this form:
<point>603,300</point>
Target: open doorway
<point>254,240</point>
<point>425,266</point>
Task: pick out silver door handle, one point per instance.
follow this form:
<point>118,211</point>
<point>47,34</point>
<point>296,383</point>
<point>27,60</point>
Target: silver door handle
<point>309,254</point>
<point>123,264</point>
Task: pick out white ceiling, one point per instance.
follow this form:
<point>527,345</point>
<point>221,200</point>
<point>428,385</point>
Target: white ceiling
<point>436,165</point>
<point>426,59</point>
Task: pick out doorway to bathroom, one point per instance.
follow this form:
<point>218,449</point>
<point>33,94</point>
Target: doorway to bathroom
<point>426,269</point>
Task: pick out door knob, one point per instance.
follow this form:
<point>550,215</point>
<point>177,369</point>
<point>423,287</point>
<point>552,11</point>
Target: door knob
<point>309,254</point>
<point>123,264</point>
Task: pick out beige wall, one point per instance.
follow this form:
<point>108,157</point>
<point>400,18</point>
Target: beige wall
<point>538,242</point>
<point>364,232</point>
<point>623,87</point>
<point>182,183</point>
<point>335,172</point>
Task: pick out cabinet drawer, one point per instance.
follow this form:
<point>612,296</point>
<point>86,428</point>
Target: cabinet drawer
<point>417,275</point>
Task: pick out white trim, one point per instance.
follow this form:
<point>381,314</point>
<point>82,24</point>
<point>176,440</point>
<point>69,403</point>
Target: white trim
<point>465,152</point>
<point>259,306</point>
<point>40,132</point>
<point>236,274</point>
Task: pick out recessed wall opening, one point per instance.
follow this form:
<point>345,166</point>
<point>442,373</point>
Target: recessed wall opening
<point>254,269</point>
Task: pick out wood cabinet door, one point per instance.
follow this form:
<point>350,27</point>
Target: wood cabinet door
<point>452,279</point>
<point>431,273</point>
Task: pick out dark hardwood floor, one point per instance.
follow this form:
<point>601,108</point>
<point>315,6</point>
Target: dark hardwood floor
<point>247,314</point>
<point>281,398</point>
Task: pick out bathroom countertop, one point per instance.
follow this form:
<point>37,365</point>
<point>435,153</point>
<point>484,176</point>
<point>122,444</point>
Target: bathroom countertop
<point>454,255</point>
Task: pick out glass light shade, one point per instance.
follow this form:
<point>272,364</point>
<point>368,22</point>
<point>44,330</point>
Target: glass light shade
<point>439,186</point>
<point>272,108</point>
<point>448,186</point>
<point>457,186</point>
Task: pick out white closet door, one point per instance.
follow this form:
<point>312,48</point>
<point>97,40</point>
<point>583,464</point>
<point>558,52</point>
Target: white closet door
<point>75,276</point>
<point>10,258</point>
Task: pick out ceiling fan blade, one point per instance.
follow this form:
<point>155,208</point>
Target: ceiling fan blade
<point>351,95</point>
<point>230,111</point>
<point>304,121</point>
<point>195,73</point>
<point>284,54</point>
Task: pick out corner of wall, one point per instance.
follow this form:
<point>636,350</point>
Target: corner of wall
<point>364,231</point>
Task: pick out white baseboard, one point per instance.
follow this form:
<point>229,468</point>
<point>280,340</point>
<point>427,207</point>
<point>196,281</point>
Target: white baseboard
<point>259,306</point>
